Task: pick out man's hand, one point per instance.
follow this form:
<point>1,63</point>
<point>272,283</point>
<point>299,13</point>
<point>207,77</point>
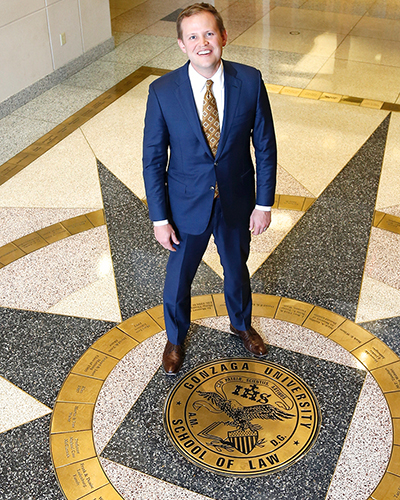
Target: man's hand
<point>259,221</point>
<point>165,235</point>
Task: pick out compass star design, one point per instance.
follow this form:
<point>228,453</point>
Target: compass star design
<point>57,341</point>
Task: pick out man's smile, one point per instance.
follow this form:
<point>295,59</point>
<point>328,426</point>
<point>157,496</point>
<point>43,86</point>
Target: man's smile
<point>202,41</point>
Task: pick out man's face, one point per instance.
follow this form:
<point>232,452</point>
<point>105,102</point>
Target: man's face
<point>202,42</point>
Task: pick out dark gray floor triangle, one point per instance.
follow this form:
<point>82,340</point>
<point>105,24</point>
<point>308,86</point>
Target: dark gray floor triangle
<point>139,261</point>
<point>48,346</point>
<point>25,463</point>
<point>321,260</point>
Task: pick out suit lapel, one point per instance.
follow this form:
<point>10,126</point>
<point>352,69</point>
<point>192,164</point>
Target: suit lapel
<point>185,98</point>
<point>232,93</point>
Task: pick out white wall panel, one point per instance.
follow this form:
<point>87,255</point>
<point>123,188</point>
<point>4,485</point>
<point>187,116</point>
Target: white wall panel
<point>64,18</point>
<point>11,10</point>
<point>25,55</point>
<point>30,37</point>
<point>96,22</point>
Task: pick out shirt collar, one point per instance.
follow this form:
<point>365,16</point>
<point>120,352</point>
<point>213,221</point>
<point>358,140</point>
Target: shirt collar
<point>198,81</point>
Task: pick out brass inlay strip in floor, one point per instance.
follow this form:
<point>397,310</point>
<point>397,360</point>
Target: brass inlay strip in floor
<point>286,202</point>
<point>71,444</point>
<point>61,131</point>
<point>31,242</point>
<point>329,97</point>
<point>38,239</point>
<point>388,222</point>
<point>289,202</point>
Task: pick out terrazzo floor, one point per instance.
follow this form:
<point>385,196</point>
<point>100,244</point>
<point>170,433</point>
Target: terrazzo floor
<point>81,274</point>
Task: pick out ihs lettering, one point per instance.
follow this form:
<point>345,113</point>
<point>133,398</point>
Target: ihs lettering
<point>251,393</point>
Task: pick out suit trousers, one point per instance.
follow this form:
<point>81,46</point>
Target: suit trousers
<point>233,246</point>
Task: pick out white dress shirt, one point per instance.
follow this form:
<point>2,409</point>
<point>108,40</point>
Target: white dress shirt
<point>198,83</point>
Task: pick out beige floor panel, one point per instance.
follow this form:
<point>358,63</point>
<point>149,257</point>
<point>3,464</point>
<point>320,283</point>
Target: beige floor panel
<point>120,37</point>
<point>220,5</point>
<point>246,10</point>
<point>358,79</point>
<point>389,186</point>
<point>377,301</point>
<point>171,58</point>
<point>125,4</point>
<point>123,387</point>
<point>316,43</point>
<point>317,139</point>
<point>43,278</point>
<point>161,28</point>
<point>366,450</point>
<point>383,258</point>
<point>135,20</point>
<point>64,177</point>
<point>18,222</point>
<point>331,22</point>
<point>116,136</point>
<point>134,485</point>
<point>236,28</point>
<point>99,300</point>
<point>372,27</point>
<point>393,210</point>
<point>116,12</point>
<point>359,7</point>
<point>387,9</point>
<point>370,50</point>
<point>17,407</point>
<point>287,184</point>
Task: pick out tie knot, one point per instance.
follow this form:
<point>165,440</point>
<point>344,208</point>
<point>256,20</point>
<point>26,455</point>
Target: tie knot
<point>209,85</point>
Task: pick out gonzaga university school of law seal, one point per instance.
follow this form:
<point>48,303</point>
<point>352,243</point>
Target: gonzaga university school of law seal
<point>242,417</point>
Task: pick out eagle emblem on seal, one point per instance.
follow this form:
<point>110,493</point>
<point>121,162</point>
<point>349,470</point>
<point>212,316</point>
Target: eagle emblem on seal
<point>245,437</point>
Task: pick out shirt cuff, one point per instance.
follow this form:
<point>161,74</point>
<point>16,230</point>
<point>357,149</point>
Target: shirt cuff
<point>160,222</point>
<point>262,208</point>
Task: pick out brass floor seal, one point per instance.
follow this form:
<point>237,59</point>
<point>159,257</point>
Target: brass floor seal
<point>242,417</point>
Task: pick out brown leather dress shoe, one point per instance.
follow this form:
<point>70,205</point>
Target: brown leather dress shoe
<point>172,358</point>
<point>252,341</point>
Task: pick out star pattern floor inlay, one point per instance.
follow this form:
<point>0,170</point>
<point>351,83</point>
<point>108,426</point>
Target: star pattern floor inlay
<point>81,275</point>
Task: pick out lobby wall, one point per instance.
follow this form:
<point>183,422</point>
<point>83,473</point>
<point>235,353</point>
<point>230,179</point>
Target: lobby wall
<point>32,50</point>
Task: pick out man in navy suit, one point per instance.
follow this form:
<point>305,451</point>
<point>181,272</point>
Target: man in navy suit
<point>194,191</point>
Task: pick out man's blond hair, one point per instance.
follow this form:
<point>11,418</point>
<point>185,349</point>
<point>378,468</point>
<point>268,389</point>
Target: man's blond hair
<point>198,8</point>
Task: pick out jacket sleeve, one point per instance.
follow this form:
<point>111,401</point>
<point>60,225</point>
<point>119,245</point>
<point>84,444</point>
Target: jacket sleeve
<point>265,148</point>
<point>155,157</point>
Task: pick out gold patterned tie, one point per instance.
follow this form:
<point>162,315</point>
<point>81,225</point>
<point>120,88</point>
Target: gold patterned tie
<point>210,122</point>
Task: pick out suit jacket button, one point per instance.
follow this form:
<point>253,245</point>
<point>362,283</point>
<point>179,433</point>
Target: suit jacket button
<point>212,188</point>
<point>216,164</point>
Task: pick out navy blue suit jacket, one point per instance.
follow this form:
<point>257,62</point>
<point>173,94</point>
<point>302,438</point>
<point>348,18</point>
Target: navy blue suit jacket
<point>178,167</point>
